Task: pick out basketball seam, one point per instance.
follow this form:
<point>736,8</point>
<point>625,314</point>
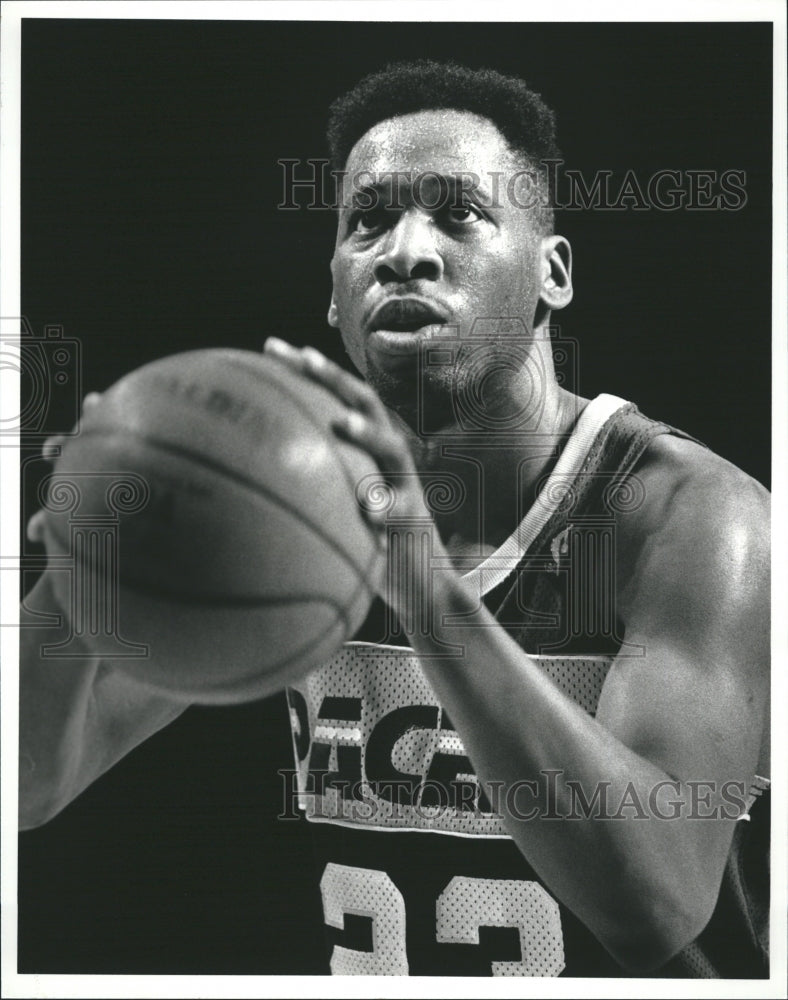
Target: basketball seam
<point>218,601</point>
<point>241,363</point>
<point>254,487</point>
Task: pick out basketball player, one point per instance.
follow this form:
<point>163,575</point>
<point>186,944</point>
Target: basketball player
<point>551,757</point>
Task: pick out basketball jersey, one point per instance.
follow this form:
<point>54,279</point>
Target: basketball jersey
<point>417,873</point>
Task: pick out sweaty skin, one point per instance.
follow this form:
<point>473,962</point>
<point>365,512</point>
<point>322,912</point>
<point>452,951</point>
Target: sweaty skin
<point>692,560</point>
<point>692,573</point>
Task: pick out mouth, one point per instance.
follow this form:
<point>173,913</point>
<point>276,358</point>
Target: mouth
<point>405,316</point>
<point>400,325</point>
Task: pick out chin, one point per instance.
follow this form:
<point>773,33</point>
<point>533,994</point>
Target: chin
<point>424,400</point>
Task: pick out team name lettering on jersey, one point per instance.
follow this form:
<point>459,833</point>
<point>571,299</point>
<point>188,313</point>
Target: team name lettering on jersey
<point>374,748</point>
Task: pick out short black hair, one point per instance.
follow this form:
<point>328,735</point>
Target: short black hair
<point>519,113</point>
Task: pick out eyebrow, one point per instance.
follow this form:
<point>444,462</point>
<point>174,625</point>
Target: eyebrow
<point>398,185</point>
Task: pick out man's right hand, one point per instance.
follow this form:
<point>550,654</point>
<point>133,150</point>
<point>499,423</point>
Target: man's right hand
<point>78,713</point>
<point>50,450</point>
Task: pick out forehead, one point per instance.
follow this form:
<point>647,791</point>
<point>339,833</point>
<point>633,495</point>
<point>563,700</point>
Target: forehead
<point>443,140</point>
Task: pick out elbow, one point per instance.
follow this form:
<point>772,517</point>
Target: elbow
<point>33,814</point>
<point>41,797</point>
<point>659,932</point>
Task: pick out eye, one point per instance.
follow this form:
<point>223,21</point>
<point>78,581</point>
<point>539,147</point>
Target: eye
<point>368,220</point>
<point>463,214</point>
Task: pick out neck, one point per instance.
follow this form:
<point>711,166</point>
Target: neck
<point>495,475</point>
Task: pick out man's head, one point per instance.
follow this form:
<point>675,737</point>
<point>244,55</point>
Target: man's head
<point>444,235</point>
<point>520,115</point>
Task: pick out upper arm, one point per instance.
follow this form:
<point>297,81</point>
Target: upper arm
<point>696,599</point>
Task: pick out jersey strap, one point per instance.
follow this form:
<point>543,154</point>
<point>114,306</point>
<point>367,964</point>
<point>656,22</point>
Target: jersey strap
<point>559,600</point>
<point>496,567</point>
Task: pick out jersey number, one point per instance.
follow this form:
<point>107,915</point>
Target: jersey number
<point>465,905</point>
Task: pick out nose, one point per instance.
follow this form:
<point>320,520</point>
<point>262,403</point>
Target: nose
<point>409,251</point>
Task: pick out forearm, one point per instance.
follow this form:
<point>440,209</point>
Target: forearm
<point>77,717</point>
<point>647,883</point>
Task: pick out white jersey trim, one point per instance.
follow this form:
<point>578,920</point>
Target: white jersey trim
<point>496,567</point>
<point>379,828</point>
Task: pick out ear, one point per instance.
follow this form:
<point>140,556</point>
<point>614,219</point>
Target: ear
<point>333,314</point>
<point>556,291</point>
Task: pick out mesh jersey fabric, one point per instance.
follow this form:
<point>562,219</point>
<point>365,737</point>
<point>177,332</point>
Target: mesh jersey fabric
<point>417,873</point>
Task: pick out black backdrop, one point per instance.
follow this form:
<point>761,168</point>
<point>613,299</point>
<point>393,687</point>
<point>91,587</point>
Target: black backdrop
<point>150,225</point>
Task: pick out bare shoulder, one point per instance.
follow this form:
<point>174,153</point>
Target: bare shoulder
<point>688,464</point>
<point>701,536</point>
<point>689,491</point>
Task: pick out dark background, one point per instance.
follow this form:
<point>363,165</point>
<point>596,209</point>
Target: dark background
<point>150,225</point>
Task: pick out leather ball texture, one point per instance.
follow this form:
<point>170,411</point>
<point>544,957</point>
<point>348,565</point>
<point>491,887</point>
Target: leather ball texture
<point>214,516</point>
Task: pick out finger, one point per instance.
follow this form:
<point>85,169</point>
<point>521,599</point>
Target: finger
<point>297,358</point>
<point>35,527</point>
<point>348,387</point>
<point>375,498</point>
<point>51,448</point>
<point>375,504</point>
<point>376,519</point>
<point>310,362</point>
<point>378,494</point>
<point>388,449</point>
<point>279,347</point>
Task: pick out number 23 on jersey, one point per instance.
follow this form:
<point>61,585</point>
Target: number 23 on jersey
<point>462,908</point>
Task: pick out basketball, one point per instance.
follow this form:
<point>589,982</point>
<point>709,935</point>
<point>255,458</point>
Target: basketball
<point>210,514</point>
